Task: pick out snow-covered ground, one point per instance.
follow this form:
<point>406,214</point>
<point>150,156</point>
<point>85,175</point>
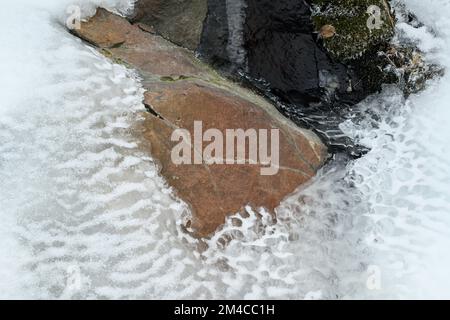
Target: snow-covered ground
<point>84,213</point>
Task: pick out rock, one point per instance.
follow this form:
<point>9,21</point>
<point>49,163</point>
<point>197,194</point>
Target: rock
<point>180,21</point>
<point>413,72</point>
<point>361,26</point>
<point>364,29</point>
<point>139,48</point>
<point>406,60</point>
<point>180,91</point>
<point>214,191</point>
<point>284,58</point>
<point>222,42</point>
<point>283,50</point>
<point>327,31</point>
<point>315,59</point>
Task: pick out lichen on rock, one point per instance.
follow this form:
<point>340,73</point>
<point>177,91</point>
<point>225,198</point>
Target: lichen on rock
<point>357,28</point>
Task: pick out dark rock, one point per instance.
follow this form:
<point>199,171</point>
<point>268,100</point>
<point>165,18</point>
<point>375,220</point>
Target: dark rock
<point>215,35</point>
<point>283,50</point>
<point>180,21</point>
<point>282,54</point>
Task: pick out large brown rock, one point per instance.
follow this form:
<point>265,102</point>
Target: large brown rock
<point>215,191</point>
<point>180,21</point>
<point>180,91</point>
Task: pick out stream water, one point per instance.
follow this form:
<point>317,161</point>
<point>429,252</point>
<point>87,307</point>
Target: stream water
<point>84,213</point>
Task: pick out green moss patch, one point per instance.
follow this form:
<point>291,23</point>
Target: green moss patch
<point>353,37</point>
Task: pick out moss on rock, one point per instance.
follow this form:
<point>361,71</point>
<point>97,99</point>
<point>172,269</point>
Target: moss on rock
<point>349,18</point>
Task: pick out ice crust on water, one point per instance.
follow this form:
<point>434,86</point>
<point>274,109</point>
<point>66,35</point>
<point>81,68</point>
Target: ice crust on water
<point>86,215</point>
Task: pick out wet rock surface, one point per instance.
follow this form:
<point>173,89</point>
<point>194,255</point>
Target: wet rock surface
<point>181,90</point>
<point>288,56</point>
<point>314,59</point>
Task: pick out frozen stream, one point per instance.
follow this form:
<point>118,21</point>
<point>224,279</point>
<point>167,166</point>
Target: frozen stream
<point>84,214</point>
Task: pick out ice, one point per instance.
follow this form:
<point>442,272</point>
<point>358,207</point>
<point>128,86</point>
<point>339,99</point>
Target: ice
<point>85,214</point>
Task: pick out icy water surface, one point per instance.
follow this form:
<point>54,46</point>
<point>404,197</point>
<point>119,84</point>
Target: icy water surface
<point>84,213</point>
